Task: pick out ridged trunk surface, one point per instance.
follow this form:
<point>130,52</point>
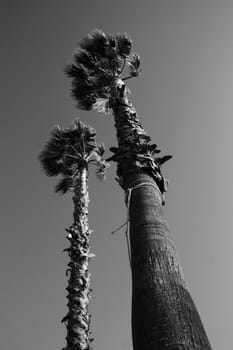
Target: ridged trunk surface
<point>163,313</point>
<point>77,320</point>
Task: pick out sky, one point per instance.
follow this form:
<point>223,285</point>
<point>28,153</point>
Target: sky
<point>184,99</point>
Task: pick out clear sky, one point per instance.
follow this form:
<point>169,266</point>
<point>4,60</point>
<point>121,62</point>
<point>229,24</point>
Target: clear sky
<point>184,99</point>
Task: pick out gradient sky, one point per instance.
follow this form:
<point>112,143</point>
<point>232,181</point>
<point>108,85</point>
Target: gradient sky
<point>184,99</point>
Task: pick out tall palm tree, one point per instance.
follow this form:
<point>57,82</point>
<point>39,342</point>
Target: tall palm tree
<point>163,313</point>
<point>68,153</point>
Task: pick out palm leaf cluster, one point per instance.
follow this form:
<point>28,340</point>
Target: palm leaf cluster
<point>99,60</point>
<point>144,157</point>
<point>68,151</point>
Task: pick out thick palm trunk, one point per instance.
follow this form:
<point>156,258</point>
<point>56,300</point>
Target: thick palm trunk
<point>77,320</point>
<point>163,313</point>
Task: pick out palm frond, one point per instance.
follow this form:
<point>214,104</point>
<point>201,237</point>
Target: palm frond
<point>71,165</point>
<point>57,133</point>
<point>111,49</point>
<point>65,185</point>
<point>79,131</point>
<point>77,70</point>
<point>51,166</point>
<point>86,103</point>
<point>52,154</point>
<point>86,59</point>
<point>95,43</point>
<point>124,44</point>
<point>160,161</point>
<point>101,169</point>
<point>85,99</point>
<point>54,149</point>
<point>134,65</point>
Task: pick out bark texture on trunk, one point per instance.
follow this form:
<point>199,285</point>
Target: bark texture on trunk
<point>163,313</point>
<point>77,320</point>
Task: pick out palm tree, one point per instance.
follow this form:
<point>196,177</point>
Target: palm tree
<point>163,313</point>
<point>68,153</point>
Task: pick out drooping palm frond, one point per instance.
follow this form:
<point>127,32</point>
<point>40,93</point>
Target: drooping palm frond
<point>51,156</point>
<point>68,151</point>
<point>134,65</point>
<point>98,61</point>
<point>64,185</point>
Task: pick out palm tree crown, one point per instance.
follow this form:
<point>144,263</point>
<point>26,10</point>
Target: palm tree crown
<point>98,83</point>
<point>68,151</point>
<point>98,62</point>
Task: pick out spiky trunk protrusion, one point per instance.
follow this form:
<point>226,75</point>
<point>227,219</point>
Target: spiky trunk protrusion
<point>77,320</point>
<point>163,313</point>
<point>134,152</point>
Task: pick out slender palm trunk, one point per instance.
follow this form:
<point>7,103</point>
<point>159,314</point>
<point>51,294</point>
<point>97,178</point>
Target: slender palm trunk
<point>78,318</point>
<point>163,313</point>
